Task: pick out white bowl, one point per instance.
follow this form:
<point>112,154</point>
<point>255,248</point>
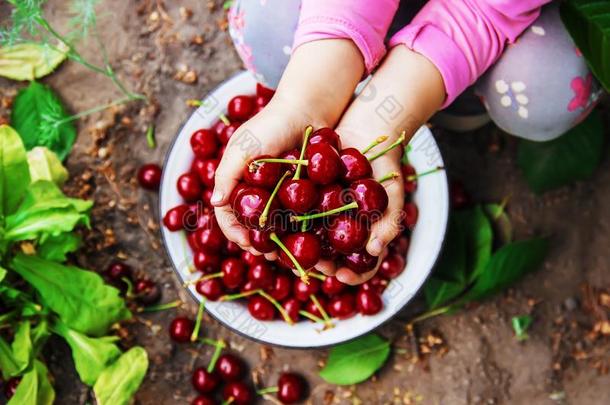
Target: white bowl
<point>431,198</point>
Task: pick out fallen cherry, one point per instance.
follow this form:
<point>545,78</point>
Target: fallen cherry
<point>458,195</point>
<point>204,143</point>
<point>291,388</point>
<point>230,367</point>
<point>203,400</point>
<point>212,288</point>
<point>368,302</point>
<point>149,176</point>
<point>117,271</point>
<point>342,306</point>
<point>391,266</point>
<point>147,292</point>
<point>204,381</point>
<point>180,329</point>
<point>360,262</point>
<point>189,187</point>
<point>260,308</point>
<point>238,393</point>
<point>241,107</point>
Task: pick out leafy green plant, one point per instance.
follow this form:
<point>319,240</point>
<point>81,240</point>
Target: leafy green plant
<point>573,156</point>
<point>40,296</point>
<point>520,325</point>
<point>588,22</point>
<point>30,61</point>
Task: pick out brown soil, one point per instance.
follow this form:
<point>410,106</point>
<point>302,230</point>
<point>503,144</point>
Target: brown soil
<point>470,357</point>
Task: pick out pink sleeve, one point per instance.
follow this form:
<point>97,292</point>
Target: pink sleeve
<point>463,38</point>
<point>365,22</point>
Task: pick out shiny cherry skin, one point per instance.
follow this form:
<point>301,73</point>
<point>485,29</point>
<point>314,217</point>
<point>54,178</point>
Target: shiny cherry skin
<point>368,302</point>
<point>458,195</point>
<point>304,246</point>
<point>241,108</point>
<point>149,176</point>
<point>400,245</point>
<point>342,306</point>
<point>212,289</point>
<point>409,185</point>
<point>264,92</point>
<point>218,127</point>
<point>299,196</point>
<point>291,388</point>
<point>331,196</point>
<point>302,291</point>
<point>391,266</point>
<point>377,284</point>
<point>230,367</point>
<point>410,215</point>
<point>204,143</point>
<point>313,309</point>
<point>231,248</point>
<point>205,170</point>
<point>117,271</point>
<point>326,250</point>
<point>252,260</point>
<point>180,329</point>
<point>210,238</point>
<point>189,187</point>
<point>264,175</point>
<point>347,234</point>
<point>260,308</point>
<point>237,190</point>
<point>262,275</point>
<point>240,392</point>
<point>249,205</point>
<point>260,239</point>
<point>206,261</point>
<point>203,381</point>
<point>147,292</point>
<point>203,400</point>
<point>292,307</point>
<point>355,165</point>
<point>371,197</point>
<point>293,154</point>
<point>324,164</point>
<point>360,262</point>
<point>325,135</point>
<point>233,272</point>
<point>282,286</point>
<point>332,286</point>
<point>10,387</point>
<point>206,197</point>
<point>174,219</point>
<point>228,132</point>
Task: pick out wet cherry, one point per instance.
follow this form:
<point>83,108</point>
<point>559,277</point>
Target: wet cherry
<point>355,165</point>
<point>360,262</point>
<point>189,187</point>
<point>204,143</point>
<point>206,261</point>
<point>305,248</point>
<point>291,388</point>
<point>324,164</point>
<point>240,393</point>
<point>368,302</point>
<point>230,367</point>
<point>264,174</point>
<point>241,108</point>
<point>332,286</point>
<point>260,308</point>
<point>325,135</point>
<point>203,381</point>
<point>347,235</point>
<point>180,329</point>
<point>212,289</point>
<point>299,196</point>
<point>342,306</point>
<point>302,291</point>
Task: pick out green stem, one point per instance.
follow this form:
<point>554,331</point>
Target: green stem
<point>162,307</point>
<point>94,110</point>
<point>198,321</point>
<point>311,316</point>
<point>265,214</point>
<point>418,175</point>
<point>299,218</point>
<point>204,278</point>
<point>224,119</point>
<point>317,275</point>
<point>304,225</point>
<point>308,131</point>
<point>217,350</point>
<point>129,293</point>
<point>325,316</point>
<point>268,390</point>
<point>277,305</point>
<point>253,164</point>
<point>431,314</point>
<point>389,176</point>
<point>231,297</point>
<point>297,265</point>
<point>150,136</point>
<point>376,142</point>
<point>394,144</point>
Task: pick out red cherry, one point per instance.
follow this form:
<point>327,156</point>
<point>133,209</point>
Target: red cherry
<point>293,154</point>
<point>239,391</point>
<point>371,197</point>
<point>260,239</point>
<point>204,143</point>
<point>117,271</point>
<point>347,235</point>
<point>241,108</point>
<point>302,291</point>
<point>299,196</point>
<point>409,185</point>
<point>324,165</point>
<point>210,238</point>
<point>236,192</point>
<point>252,260</point>
<point>203,381</point>
<point>326,250</point>
<point>325,135</point>
<point>180,329</point>
<point>232,248</point>
<point>261,275</point>
<point>458,195</point>
<point>400,245</point>
<point>305,248</point>
<point>377,284</point>
<point>212,288</point>
<point>264,92</point>
<point>189,187</point>
<point>10,387</point>
<point>233,272</point>
<point>248,286</point>
<point>260,308</point>
<point>368,302</point>
<point>206,261</point>
<point>332,286</point>
<point>313,309</point>
<point>282,287</point>
<point>230,367</point>
<point>391,266</point>
<point>206,197</point>
<point>411,215</point>
<point>291,388</point>
<point>360,262</point>
<point>264,174</point>
<point>174,219</point>
<point>331,196</point>
<point>149,176</point>
<point>203,400</point>
<point>355,165</point>
<point>292,307</point>
<point>147,292</point>
<point>218,128</point>
<point>228,132</point>
<point>249,205</point>
<point>205,170</point>
<point>342,306</point>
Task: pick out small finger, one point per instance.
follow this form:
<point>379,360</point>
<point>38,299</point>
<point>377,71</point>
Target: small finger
<point>347,276</point>
<point>326,267</point>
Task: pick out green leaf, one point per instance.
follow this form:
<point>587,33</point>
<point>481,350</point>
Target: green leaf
<point>439,292</point>
<point>22,346</point>
<point>29,61</point>
<point>501,224</point>
<point>120,381</point>
<point>39,335</point>
<point>355,361</point>
<point>34,388</point>
<point>57,247</point>
<point>46,211</point>
<point>520,325</point>
<point>573,156</point>
<point>81,298</point>
<point>41,119</point>
<point>91,355</point>
<point>14,172</point>
<point>2,273</point>
<point>8,363</point>
<point>588,22</point>
<point>45,165</point>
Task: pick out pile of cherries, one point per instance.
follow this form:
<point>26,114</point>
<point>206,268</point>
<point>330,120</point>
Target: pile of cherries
<point>225,375</point>
<point>310,204</point>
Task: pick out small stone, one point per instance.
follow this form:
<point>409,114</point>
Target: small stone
<point>570,303</point>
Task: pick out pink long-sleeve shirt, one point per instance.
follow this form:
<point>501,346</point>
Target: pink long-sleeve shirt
<point>462,38</point>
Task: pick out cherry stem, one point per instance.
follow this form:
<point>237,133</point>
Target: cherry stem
<point>394,144</point>
<point>204,278</point>
<point>317,275</point>
<point>224,119</point>
<point>198,321</point>
<point>231,297</point>
<point>297,265</point>
<point>161,307</point>
<point>376,142</point>
<point>254,163</point>
<point>418,175</point>
<point>265,214</point>
<point>311,316</point>
<point>277,306</point>
<point>220,344</point>
<point>299,218</point>
<point>267,390</point>
<point>389,176</point>
<point>431,314</point>
<point>228,401</point>
<point>325,316</point>
<point>194,103</point>
<point>129,293</point>
<point>308,131</point>
<point>304,225</point>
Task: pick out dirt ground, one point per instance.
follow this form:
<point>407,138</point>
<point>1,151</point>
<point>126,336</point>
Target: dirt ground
<point>476,358</point>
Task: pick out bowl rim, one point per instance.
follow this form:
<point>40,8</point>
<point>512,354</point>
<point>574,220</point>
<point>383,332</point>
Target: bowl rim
<point>225,324</point>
